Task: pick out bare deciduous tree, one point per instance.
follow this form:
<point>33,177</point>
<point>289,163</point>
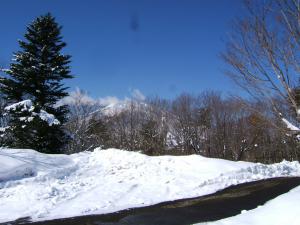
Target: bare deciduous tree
<point>263,51</point>
<point>82,111</point>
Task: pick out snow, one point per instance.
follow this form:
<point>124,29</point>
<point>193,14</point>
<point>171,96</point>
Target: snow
<point>49,118</point>
<point>290,126</point>
<point>171,140</point>
<point>26,118</point>
<point>45,187</point>
<point>126,104</point>
<point>27,105</point>
<point>282,210</point>
<point>3,129</point>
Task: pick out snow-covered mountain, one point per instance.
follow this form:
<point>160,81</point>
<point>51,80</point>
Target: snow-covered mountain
<point>118,107</point>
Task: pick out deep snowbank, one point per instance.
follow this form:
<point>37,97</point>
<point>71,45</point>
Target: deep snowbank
<point>44,186</point>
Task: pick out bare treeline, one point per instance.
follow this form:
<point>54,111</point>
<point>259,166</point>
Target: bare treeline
<point>207,124</point>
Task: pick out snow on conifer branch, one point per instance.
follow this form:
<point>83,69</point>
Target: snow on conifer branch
<point>27,106</point>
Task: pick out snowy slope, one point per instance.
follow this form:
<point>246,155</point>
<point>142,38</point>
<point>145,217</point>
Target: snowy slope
<point>54,186</point>
<point>283,210</point>
<point>127,104</point>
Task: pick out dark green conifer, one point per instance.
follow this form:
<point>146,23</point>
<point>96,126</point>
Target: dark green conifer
<point>37,75</point>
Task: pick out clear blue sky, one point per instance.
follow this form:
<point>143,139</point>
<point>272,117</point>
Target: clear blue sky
<point>161,47</point>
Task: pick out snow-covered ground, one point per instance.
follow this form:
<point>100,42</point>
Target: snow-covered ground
<point>45,187</point>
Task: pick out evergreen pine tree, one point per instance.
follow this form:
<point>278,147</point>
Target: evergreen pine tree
<point>34,86</point>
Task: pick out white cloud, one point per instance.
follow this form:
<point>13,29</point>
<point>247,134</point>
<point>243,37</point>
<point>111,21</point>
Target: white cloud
<point>82,97</point>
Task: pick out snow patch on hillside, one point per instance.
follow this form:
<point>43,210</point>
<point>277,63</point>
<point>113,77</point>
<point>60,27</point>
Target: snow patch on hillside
<point>290,126</point>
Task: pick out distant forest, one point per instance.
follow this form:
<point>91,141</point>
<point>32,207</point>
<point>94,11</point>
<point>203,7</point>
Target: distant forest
<point>207,124</point>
